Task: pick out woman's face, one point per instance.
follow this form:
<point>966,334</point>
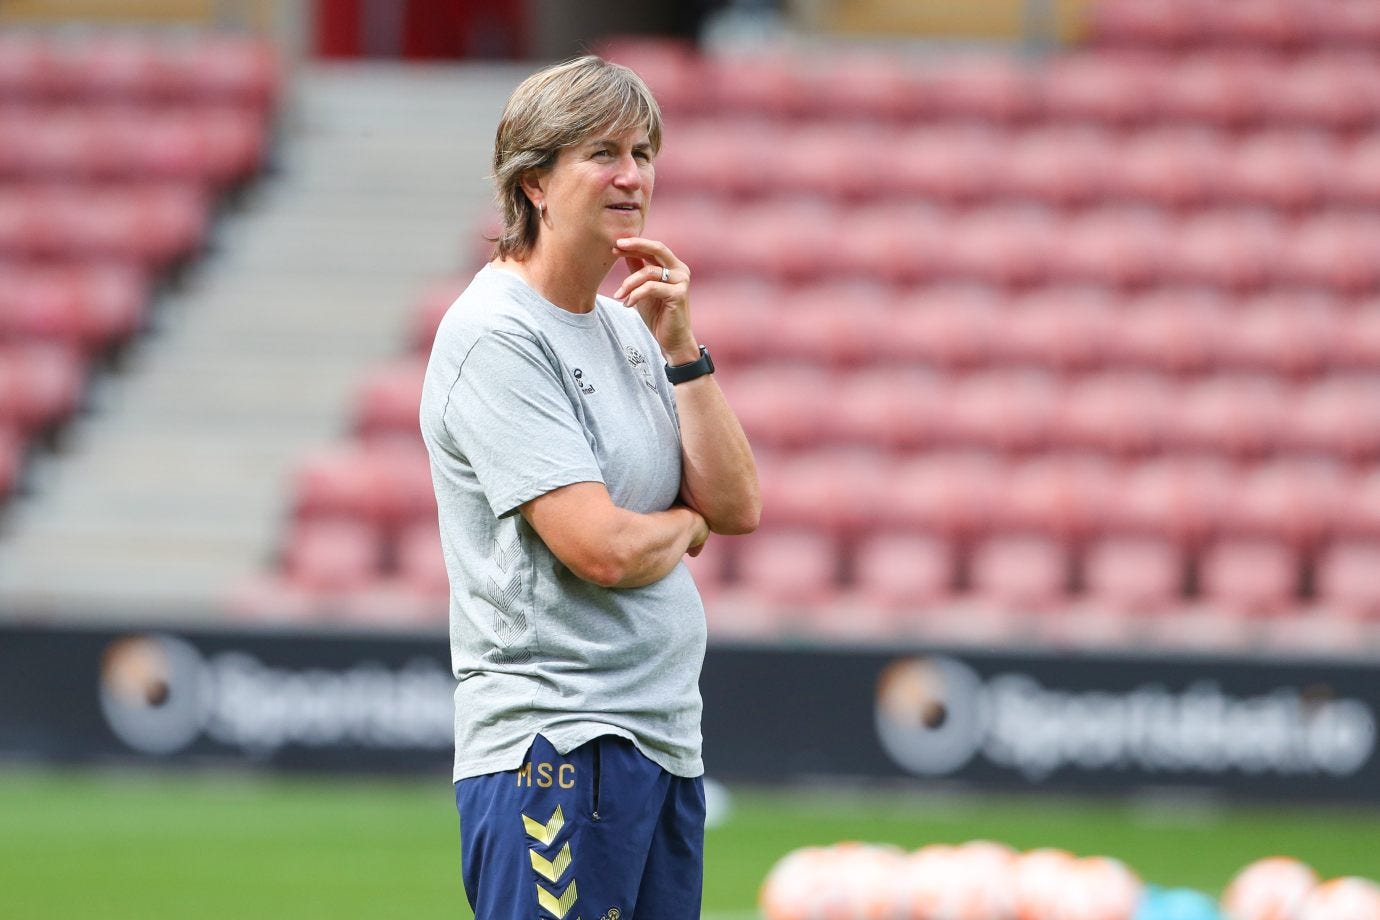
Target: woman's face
<point>598,190</point>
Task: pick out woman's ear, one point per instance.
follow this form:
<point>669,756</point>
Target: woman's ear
<point>532,188</point>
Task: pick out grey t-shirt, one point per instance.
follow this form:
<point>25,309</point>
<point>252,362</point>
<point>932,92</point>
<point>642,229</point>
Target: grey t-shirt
<point>522,397</point>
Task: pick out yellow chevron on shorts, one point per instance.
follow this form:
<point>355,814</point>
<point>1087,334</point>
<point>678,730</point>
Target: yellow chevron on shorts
<point>552,869</point>
<point>558,907</point>
<point>545,833</point>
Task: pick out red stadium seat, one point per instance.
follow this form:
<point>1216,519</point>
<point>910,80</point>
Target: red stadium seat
<point>1270,24</point>
<point>41,385</point>
<point>1359,515</point>
<point>1220,89</point>
<point>1116,412</point>
<point>1061,328</point>
<point>1110,246</point>
<point>1293,500</point>
<point>28,69</point>
<point>1236,415</point>
<point>840,161</point>
<point>330,557</point>
<point>420,562</point>
<point>337,482</point>
<point>1004,410</point>
<point>1004,245</point>
<point>1357,180</point>
<point>1250,575</point>
<point>1062,166</point>
<point>1177,497</point>
<point>903,571</point>
<point>738,317</point>
<point>695,162</point>
<point>1285,333</point>
<point>1333,92</point>
<point>1288,170</point>
<point>951,326</point>
<point>1169,24</point>
<point>789,568</point>
<point>404,492</point>
<point>1099,88</point>
<point>1346,577</point>
<point>1133,574</point>
<point>1233,249</point>
<point>1021,572</point>
<point>946,163</point>
<point>778,405</point>
<point>864,86</point>
<point>950,494</point>
<point>827,491</point>
<point>991,88</point>
<point>1357,346</point>
<point>113,302</point>
<point>763,84</point>
<point>886,408</point>
<point>787,240</point>
<point>831,324</point>
<point>1337,416</point>
<point>1176,166</point>
<point>900,243</point>
<point>388,402</point>
<point>1169,329</point>
<point>1353,24</point>
<point>1060,494</point>
<point>430,308</point>
<point>1337,251</point>
<point>223,69</point>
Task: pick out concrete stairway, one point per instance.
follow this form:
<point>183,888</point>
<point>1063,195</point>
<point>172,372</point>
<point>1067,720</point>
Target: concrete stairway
<point>172,489</point>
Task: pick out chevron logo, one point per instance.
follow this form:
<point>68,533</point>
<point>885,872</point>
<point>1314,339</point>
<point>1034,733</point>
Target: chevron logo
<point>557,907</point>
<point>545,833</point>
<point>552,869</point>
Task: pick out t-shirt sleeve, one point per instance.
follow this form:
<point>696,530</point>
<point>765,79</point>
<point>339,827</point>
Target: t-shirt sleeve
<point>511,417</point>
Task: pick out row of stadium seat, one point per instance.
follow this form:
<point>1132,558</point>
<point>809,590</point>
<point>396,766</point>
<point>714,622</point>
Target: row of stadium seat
<point>1331,90</point>
<point>85,306</point>
<point>885,585</point>
<point>807,240</point>
<point>1286,24</point>
<point>153,224</point>
<point>211,144</point>
<point>113,150</point>
<point>841,324</point>
<point>1032,573</point>
<point>1007,409</point>
<point>133,67</point>
<point>1066,167</point>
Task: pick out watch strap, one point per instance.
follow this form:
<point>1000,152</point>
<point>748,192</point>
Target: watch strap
<point>681,373</point>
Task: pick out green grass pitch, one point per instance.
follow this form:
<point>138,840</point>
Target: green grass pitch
<point>172,845</point>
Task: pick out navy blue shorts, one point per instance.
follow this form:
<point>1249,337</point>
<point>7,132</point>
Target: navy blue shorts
<point>599,834</point>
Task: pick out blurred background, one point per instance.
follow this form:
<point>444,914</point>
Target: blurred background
<point>1055,325</point>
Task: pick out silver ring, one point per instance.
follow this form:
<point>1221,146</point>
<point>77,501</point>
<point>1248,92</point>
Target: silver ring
<point>665,274</point>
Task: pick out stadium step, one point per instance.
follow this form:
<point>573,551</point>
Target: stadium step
<point>170,490</point>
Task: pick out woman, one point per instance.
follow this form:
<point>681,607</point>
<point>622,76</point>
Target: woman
<point>580,448</point>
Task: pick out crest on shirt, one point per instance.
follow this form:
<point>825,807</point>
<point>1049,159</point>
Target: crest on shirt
<point>639,363</point>
<point>579,376</point>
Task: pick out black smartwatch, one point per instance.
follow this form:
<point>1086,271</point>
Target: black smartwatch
<point>681,373</point>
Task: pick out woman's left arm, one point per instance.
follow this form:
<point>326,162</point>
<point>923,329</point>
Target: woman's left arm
<point>719,475</point>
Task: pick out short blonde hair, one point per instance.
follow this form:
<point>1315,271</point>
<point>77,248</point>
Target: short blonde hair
<point>558,107</point>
